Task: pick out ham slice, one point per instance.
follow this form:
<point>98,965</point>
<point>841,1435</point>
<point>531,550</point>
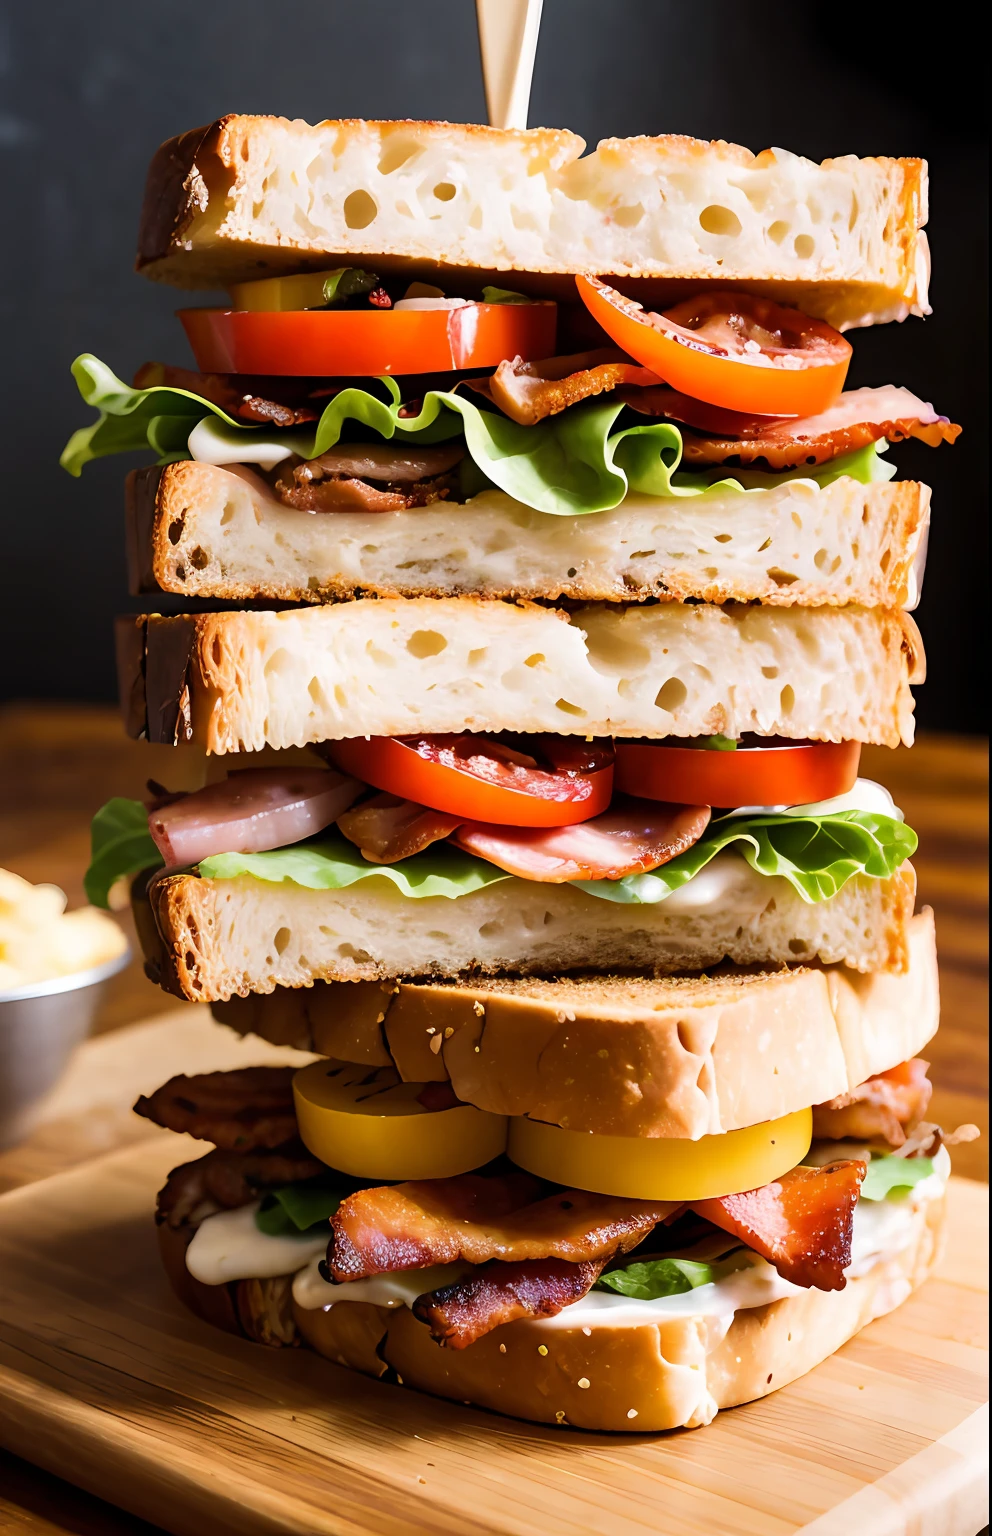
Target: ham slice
<point>887,1106</point>
<point>801,1223</point>
<point>498,1293</point>
<point>529,392</point>
<point>250,811</point>
<point>858,417</point>
<point>240,1110</point>
<point>387,828</point>
<point>476,1219</point>
<point>629,838</point>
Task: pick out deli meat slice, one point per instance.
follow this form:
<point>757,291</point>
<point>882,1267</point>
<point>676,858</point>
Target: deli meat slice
<point>529,392</point>
<point>338,481</point>
<point>496,1293</point>
<point>631,837</point>
<point>801,1223</point>
<point>387,828</point>
<point>237,394</point>
<point>887,1106</point>
<point>476,1218</point>
<point>241,1110</point>
<point>250,811</point>
<point>858,417</point>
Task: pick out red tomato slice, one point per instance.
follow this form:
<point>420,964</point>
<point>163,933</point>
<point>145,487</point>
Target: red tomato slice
<point>484,778</point>
<point>730,349</point>
<point>775,773</point>
<point>351,342</point>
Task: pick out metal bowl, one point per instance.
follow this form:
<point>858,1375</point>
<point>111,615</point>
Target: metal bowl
<point>40,1027</point>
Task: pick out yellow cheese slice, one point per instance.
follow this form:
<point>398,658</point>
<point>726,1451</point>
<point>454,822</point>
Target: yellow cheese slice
<point>364,1121</point>
<point>662,1168</point>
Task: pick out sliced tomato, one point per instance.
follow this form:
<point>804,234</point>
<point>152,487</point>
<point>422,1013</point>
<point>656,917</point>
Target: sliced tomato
<point>354,342</point>
<point>519,781</point>
<point>774,773</point>
<point>729,349</point>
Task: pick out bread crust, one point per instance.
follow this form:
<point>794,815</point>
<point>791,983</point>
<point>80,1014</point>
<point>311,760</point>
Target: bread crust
<point>199,531</point>
<point>236,682</point>
<point>221,205</point>
<point>221,938</point>
<point>638,1378</point>
<point>682,1056</point>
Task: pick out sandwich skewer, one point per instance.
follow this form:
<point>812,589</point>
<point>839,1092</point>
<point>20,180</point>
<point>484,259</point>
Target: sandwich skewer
<point>508,31</point>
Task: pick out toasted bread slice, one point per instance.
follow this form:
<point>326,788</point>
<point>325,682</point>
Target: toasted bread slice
<point>201,531</point>
<point>218,938</point>
<point>247,197</point>
<point>236,682</point>
<point>681,1056</point>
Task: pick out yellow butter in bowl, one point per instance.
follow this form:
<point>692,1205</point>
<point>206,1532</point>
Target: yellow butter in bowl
<point>40,941</point>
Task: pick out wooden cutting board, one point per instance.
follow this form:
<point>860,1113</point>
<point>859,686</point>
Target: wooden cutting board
<point>107,1381</point>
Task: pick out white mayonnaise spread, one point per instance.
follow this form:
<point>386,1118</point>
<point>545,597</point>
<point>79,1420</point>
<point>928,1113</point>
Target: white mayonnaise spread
<point>213,442</point>
<point>726,880</point>
<point>865,796</point>
<point>431,303</point>
<point>229,1246</point>
<point>311,1290</point>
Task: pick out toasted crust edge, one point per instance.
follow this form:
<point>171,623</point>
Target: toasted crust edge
<point>644,1378</point>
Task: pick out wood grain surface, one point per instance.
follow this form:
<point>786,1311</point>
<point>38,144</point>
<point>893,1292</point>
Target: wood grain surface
<point>59,763</point>
<point>106,1378</point>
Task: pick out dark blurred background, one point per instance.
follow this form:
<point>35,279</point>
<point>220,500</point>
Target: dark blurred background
<point>88,92</point>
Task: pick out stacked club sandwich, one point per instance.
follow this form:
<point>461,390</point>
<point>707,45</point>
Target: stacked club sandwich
<point>524,793</point>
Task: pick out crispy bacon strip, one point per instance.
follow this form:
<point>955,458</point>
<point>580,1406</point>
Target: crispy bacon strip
<point>498,1293</point>
<point>474,1218</point>
<point>245,398</point>
<point>887,1106</point>
<point>529,392</point>
<point>629,838</point>
<point>230,1179</point>
<point>801,1223</point>
<point>387,828</point>
<point>859,417</point>
<point>242,1110</point>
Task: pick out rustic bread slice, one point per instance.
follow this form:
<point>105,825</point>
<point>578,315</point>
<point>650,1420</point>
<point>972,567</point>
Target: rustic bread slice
<point>236,682</point>
<point>249,196</point>
<point>221,937</point>
<point>201,531</point>
<point>623,1056</point>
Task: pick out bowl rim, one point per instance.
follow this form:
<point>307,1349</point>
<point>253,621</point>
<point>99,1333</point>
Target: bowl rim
<point>75,982</point>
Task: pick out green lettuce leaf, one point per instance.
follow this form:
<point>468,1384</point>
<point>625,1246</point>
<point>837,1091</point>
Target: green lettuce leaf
<point>652,1279</point>
<point>818,855</point>
<point>332,863</point>
<point>569,465</point>
<point>299,1210</point>
<point>120,844</point>
<point>887,1175</point>
<point>160,418</point>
